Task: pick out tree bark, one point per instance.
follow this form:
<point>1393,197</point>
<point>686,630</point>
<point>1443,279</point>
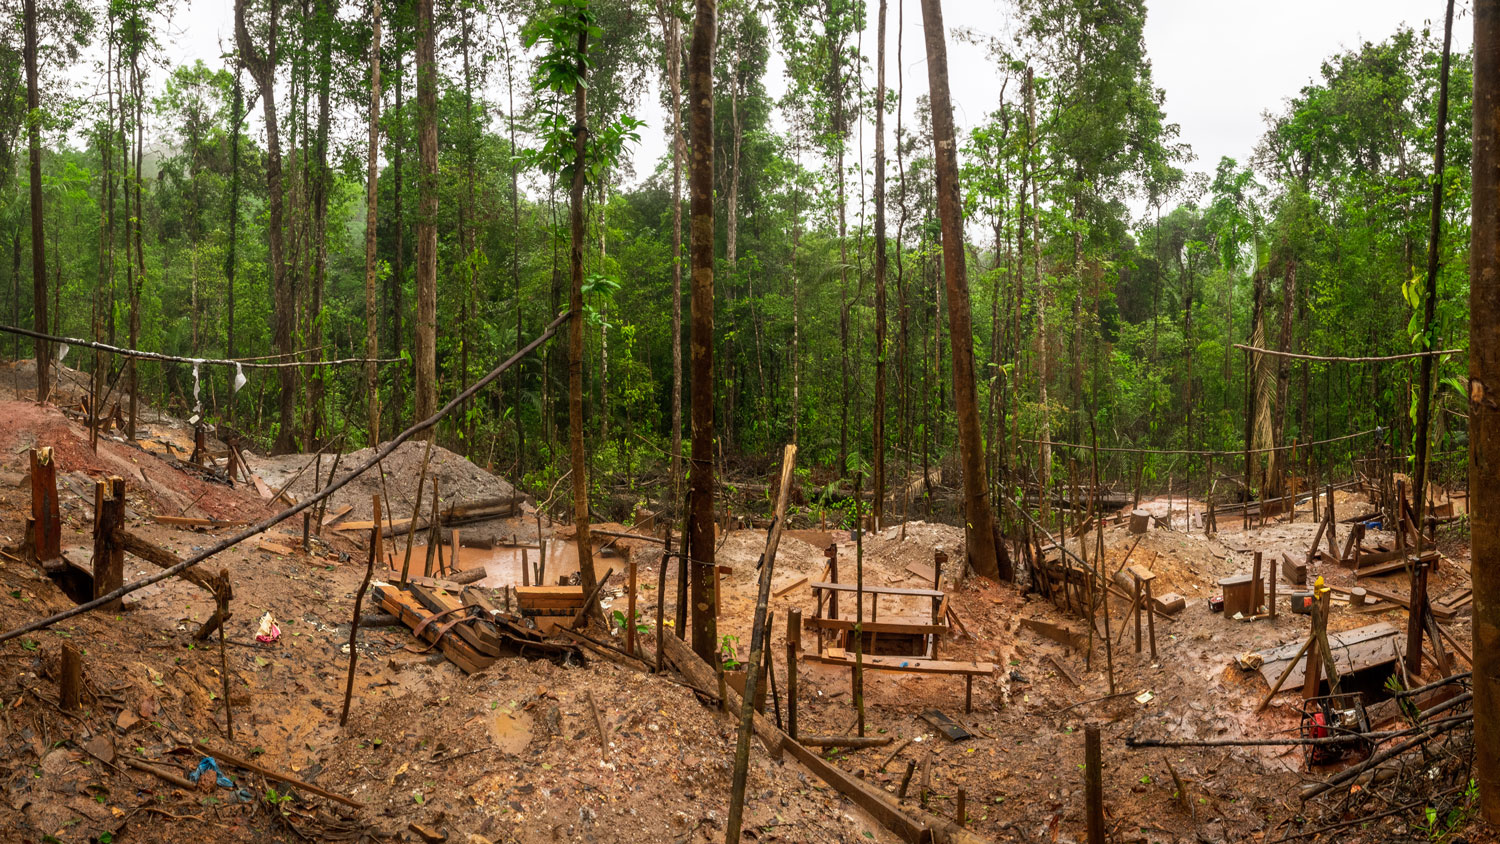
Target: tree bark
<point>427,209</point>
<point>878,433</point>
<point>262,69</point>
<point>674,85</point>
<point>372,191</point>
<point>38,244</point>
<point>978,520</point>
<point>575,325</point>
<point>701,248</point>
<point>1484,403</point>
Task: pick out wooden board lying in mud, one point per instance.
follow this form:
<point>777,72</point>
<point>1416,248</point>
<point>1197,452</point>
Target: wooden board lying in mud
<point>1353,651</point>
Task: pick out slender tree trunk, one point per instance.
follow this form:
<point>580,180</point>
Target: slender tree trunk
<point>138,94</point>
<point>262,69</point>
<point>1283,377</point>
<point>701,246</point>
<point>38,243</point>
<point>231,259</point>
<point>679,153</point>
<point>372,193</point>
<point>515,256</point>
<point>398,268</point>
<point>1044,352</point>
<point>796,302</point>
<point>878,433</point>
<point>575,327</point>
<point>321,176</point>
<point>427,200</point>
<point>1434,235</point>
<point>1484,403</point>
<point>979,536</point>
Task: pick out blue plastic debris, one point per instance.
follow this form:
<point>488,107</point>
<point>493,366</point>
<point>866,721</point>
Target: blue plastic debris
<point>207,763</point>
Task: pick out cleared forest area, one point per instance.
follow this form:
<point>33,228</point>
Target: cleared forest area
<point>390,451</point>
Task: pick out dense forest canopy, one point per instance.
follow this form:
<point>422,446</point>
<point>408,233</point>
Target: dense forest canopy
<point>1110,279</point>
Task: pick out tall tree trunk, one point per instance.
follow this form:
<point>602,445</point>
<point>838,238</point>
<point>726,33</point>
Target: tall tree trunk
<point>262,69</point>
<point>138,93</point>
<point>1484,406</point>
<point>1044,352</point>
<point>313,436</point>
<point>979,531</point>
<point>1283,379</point>
<point>1434,236</point>
<point>427,202</point>
<point>231,258</point>
<point>679,152</point>
<point>701,247</point>
<point>796,302</point>
<point>38,244</point>
<point>878,467</point>
<point>515,256</point>
<point>398,268</point>
<point>575,327</point>
<point>372,192</point>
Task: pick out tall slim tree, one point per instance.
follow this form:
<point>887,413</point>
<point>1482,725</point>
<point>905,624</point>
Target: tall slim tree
<point>427,210</point>
<point>262,68</point>
<point>701,251</point>
<point>672,43</point>
<point>1484,403</point>
<point>38,244</point>
<point>979,532</point>
<point>878,467</point>
<point>372,185</point>
<point>579,169</point>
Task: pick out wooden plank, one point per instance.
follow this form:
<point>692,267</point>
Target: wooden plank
<point>1056,632</point>
<point>881,590</point>
<point>784,590</point>
<point>274,548</point>
<point>924,572</point>
<point>342,512</point>
<point>949,728</point>
<point>1354,650</point>
<point>920,628</point>
<point>260,486</point>
<point>403,606</point>
<point>909,665</point>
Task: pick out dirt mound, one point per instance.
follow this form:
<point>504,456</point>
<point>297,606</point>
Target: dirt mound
<point>458,480</point>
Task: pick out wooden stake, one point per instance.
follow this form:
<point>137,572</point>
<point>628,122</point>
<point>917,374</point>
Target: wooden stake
<point>359,600</point>
<point>222,594</point>
<point>416,511</point>
<point>630,610</point>
<point>45,515</point>
<point>911,766</point>
<point>758,638</point>
<point>109,557</point>
<point>1415,619</point>
<point>793,644</point>
<point>70,681</point>
<point>962,816</point>
<point>661,597</point>
<point>1093,773</point>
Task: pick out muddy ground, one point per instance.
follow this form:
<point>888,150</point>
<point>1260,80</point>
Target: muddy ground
<point>514,753</point>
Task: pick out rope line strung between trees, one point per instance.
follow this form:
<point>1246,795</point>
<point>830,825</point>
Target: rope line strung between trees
<point>1235,453</point>
<point>158,356</point>
<point>1335,359</point>
<point>270,522</point>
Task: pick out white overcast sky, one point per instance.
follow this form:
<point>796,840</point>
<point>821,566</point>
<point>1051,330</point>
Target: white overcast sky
<point>1222,63</point>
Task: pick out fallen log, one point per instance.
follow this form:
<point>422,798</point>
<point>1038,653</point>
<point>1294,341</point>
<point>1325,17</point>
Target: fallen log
<point>160,557</point>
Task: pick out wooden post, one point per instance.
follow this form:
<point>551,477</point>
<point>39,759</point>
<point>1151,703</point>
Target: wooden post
<point>379,535</point>
<point>223,591</point>
<point>962,816</point>
<point>1136,607</point>
<point>359,599</point>
<point>661,597</point>
<point>793,644</point>
<point>1093,778</point>
<point>45,515</point>
<point>832,553</point>
<point>629,610</point>
<point>1271,597</point>
<point>109,557</point>
<point>911,767</point>
<point>1312,679</point>
<point>1415,619</point>
<point>1257,590</point>
<point>306,525</point>
<point>525,568</point>
<point>1151,620</point>
<point>70,680</point>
